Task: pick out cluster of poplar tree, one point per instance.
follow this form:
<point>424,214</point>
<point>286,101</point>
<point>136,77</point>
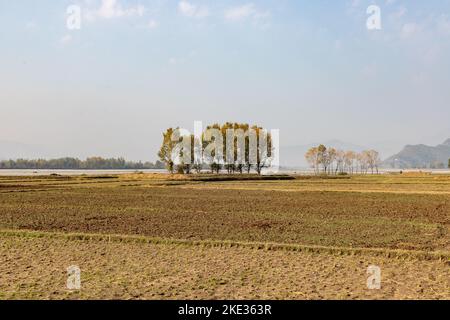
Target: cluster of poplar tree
<point>227,147</point>
<point>332,161</point>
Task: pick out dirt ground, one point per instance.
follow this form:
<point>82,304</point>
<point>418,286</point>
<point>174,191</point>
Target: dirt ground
<point>399,223</point>
<point>35,268</point>
<point>214,211</point>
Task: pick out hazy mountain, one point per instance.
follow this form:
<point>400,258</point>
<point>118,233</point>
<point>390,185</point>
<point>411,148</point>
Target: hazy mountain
<point>420,156</point>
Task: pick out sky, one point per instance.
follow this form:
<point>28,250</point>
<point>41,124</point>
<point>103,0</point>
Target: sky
<point>311,69</point>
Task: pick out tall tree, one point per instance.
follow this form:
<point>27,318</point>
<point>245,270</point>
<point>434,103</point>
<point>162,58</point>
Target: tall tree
<point>373,159</point>
<point>166,153</point>
<point>312,157</point>
<point>264,148</point>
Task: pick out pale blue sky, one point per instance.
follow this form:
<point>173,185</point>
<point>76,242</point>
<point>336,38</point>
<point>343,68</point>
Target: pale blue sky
<point>308,68</point>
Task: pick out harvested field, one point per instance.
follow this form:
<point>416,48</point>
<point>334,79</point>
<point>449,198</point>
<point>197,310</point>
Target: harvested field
<point>35,268</point>
<point>346,214</point>
<point>207,211</point>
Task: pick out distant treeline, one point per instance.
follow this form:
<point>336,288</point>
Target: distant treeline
<point>331,161</point>
<point>94,163</point>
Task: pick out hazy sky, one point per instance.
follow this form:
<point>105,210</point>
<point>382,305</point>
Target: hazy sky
<point>309,68</point>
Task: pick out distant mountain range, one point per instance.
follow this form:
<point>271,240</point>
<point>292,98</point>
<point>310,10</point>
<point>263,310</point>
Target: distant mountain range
<point>420,156</point>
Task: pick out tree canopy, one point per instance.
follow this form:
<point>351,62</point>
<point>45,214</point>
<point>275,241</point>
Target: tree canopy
<point>234,147</point>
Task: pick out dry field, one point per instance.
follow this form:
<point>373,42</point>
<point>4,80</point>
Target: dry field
<point>166,237</point>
